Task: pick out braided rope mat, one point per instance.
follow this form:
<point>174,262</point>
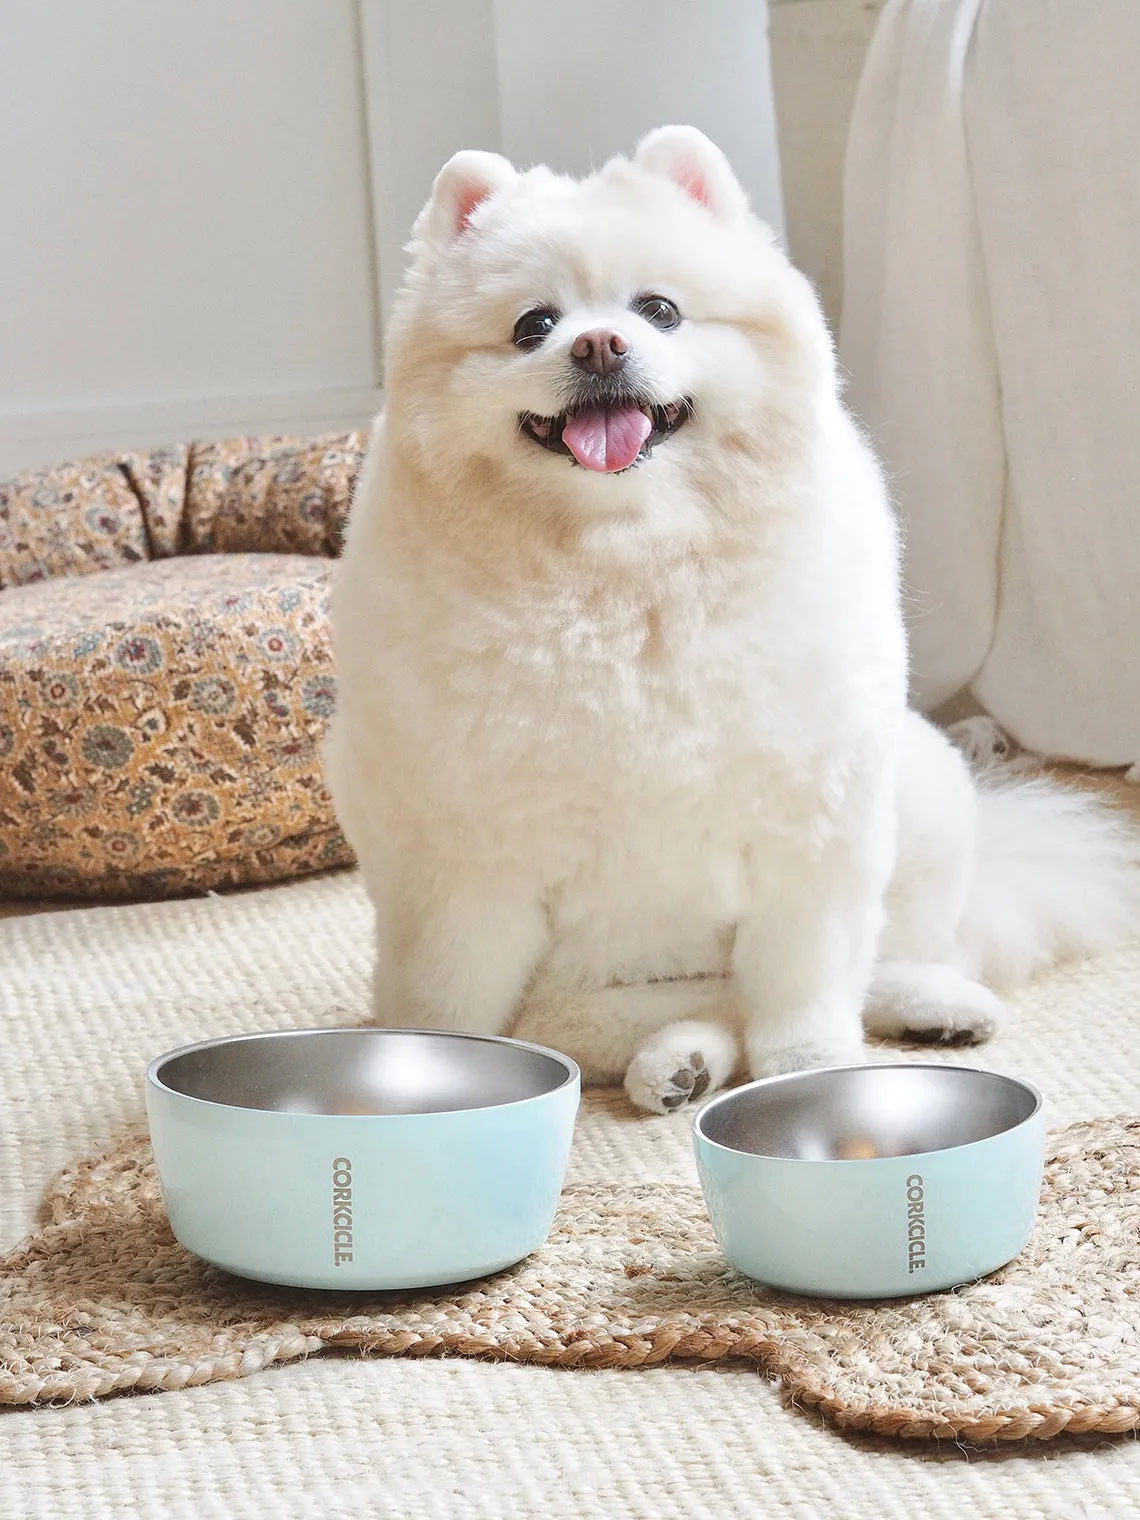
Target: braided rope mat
<point>103,1300</point>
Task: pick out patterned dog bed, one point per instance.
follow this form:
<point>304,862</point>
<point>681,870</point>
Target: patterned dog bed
<point>165,668</point>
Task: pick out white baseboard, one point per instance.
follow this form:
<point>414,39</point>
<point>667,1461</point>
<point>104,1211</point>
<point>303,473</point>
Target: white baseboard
<point>32,440</point>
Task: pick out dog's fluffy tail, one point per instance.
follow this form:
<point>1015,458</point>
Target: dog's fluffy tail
<point>1057,877</point>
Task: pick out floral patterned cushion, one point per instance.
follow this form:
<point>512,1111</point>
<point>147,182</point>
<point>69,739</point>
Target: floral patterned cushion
<point>161,720</point>
<point>71,521</point>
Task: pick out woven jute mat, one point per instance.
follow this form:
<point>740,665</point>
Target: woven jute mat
<point>103,1300</point>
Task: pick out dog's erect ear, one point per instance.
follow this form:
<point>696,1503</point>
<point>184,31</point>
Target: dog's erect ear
<point>690,160</point>
<point>464,182</point>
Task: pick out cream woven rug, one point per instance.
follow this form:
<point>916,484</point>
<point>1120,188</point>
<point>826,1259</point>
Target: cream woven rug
<point>104,1300</point>
<point>86,997</point>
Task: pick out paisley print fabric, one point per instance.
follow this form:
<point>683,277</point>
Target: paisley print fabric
<point>161,720</point>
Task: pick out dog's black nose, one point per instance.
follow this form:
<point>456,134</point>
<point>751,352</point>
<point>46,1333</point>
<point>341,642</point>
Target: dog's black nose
<point>601,351</point>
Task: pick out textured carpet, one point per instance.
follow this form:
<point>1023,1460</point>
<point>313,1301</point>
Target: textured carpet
<point>87,996</point>
<point>104,1300</point>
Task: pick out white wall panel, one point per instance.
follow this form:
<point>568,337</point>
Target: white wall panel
<point>186,224</point>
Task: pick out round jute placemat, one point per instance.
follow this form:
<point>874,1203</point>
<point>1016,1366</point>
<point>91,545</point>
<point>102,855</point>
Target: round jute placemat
<point>103,1300</point>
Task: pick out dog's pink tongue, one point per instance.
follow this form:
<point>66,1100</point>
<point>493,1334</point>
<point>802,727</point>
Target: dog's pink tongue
<point>607,438</point>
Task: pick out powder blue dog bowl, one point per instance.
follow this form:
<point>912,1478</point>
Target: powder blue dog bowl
<point>362,1158</point>
<point>876,1181</point>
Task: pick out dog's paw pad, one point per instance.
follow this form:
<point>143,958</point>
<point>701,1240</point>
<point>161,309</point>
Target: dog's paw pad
<point>704,1077</point>
<point>685,1084</point>
<point>975,1034</point>
<point>688,1083</point>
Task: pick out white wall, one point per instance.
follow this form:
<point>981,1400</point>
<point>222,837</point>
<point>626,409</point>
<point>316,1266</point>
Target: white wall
<point>186,238</point>
<point>205,203</point>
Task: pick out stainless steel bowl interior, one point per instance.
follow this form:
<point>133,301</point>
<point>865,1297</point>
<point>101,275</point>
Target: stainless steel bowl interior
<point>363,1071</point>
<point>857,1113</point>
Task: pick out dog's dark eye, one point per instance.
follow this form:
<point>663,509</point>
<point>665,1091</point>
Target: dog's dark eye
<point>659,310</point>
<point>534,327</point>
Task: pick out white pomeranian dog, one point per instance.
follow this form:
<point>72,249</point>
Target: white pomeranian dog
<point>622,742</point>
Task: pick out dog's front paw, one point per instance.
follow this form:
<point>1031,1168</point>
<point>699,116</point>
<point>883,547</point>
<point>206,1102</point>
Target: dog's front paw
<point>657,1082</point>
<point>680,1064</point>
<point>931,1005</point>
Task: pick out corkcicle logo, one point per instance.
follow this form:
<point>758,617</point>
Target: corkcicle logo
<point>342,1210</point>
<point>916,1223</point>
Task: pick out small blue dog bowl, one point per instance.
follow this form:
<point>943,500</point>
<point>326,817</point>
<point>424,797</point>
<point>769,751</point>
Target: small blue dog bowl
<point>877,1181</point>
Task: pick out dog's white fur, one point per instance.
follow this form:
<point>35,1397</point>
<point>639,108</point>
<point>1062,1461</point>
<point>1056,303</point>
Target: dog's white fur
<point>625,758</point>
